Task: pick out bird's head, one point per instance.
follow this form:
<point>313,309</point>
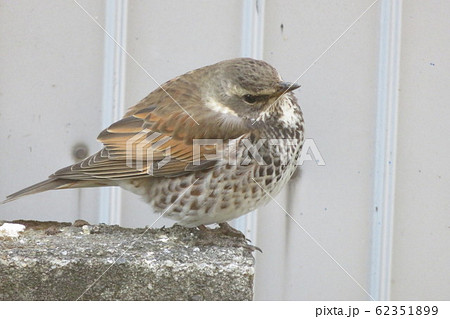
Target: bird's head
<point>245,88</point>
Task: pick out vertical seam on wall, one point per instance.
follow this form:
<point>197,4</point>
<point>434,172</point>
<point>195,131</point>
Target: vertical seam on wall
<point>252,42</point>
<point>385,149</point>
<point>110,206</point>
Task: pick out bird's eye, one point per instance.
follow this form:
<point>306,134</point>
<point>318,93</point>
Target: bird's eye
<point>249,98</point>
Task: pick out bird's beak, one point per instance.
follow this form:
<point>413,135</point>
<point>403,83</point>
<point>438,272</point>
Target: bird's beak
<point>285,87</point>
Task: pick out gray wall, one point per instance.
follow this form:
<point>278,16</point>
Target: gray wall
<point>373,222</point>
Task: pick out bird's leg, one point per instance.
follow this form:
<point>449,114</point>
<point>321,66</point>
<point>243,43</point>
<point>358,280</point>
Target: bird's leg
<point>223,229</point>
<point>209,236</point>
<point>226,229</point>
<point>203,228</point>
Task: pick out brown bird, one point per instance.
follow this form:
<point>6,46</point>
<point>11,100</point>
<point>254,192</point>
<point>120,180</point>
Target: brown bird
<point>205,147</point>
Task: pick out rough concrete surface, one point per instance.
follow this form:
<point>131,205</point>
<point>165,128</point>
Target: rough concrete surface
<point>61,261</point>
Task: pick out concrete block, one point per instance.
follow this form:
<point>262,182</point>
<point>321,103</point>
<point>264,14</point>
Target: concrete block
<point>59,261</point>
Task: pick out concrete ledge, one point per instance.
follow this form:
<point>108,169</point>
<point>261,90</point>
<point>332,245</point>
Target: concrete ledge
<point>58,261</point>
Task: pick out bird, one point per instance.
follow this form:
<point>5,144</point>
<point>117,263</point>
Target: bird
<point>203,148</point>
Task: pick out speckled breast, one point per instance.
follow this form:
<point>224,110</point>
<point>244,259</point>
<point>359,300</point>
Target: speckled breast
<point>262,166</point>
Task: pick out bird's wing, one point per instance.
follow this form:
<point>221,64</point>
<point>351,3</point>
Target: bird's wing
<point>156,137</point>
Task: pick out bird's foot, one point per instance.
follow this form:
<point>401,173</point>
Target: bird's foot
<point>225,229</point>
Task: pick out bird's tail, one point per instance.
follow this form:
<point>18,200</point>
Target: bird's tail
<point>50,184</point>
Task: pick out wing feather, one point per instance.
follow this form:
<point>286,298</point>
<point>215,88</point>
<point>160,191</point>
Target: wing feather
<point>156,137</point>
